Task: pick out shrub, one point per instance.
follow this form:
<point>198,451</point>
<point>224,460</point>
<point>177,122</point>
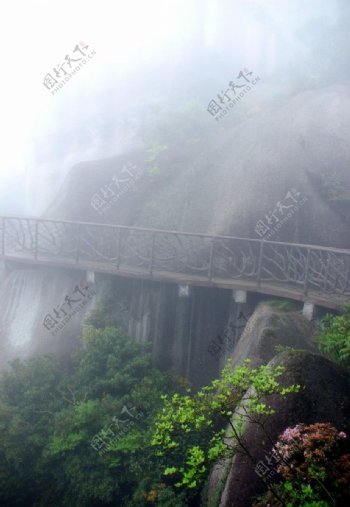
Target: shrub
<point>315,466</point>
<point>335,338</point>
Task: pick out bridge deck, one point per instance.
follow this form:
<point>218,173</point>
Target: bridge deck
<point>331,301</point>
<point>302,272</point>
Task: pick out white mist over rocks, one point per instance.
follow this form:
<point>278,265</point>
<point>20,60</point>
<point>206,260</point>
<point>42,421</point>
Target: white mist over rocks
<point>146,53</point>
<point>153,62</point>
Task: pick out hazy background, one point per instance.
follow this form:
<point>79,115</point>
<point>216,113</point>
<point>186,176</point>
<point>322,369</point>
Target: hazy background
<point>149,55</point>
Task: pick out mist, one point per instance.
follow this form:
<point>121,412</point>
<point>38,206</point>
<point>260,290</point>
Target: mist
<point>147,56</point>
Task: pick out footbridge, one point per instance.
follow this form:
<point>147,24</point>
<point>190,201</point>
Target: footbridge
<point>308,273</point>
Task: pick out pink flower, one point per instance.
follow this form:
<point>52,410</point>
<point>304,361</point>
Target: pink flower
<point>290,433</point>
<point>342,434</point>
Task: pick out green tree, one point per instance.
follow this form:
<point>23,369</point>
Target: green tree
<point>335,338</point>
<point>28,402</point>
<point>49,416</point>
<point>189,431</point>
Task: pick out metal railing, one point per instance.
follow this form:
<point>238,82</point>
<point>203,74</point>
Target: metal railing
<point>308,267</point>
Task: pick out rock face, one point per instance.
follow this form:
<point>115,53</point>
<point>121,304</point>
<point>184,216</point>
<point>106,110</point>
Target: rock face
<point>231,178</point>
<point>183,330</point>
<point>27,296</point>
<point>219,180</point>
<point>268,328</point>
<point>325,398</point>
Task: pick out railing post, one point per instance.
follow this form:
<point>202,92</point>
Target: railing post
<point>152,252</point>
<point>210,268</point>
<point>36,240</point>
<point>118,247</point>
<point>3,237</point>
<point>307,271</point>
<point>326,273</point>
<point>261,252</point>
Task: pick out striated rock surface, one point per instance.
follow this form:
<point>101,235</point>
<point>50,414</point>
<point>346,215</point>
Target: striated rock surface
<point>225,180</point>
<point>27,296</point>
<point>269,328</point>
<point>325,398</point>
<point>220,180</point>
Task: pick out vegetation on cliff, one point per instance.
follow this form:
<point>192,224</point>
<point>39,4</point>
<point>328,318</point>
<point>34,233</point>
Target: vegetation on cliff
<point>109,429</point>
<point>314,463</point>
<point>335,338</point>
<point>80,435</point>
<point>190,430</point>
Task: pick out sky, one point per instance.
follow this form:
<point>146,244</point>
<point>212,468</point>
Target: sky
<point>143,51</point>
<point>36,35</point>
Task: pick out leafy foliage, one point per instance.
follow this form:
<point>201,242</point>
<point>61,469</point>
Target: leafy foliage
<point>331,185</point>
<point>283,304</point>
<point>49,415</point>
<point>182,125</point>
<point>335,339</point>
<point>189,434</point>
<point>315,466</point>
<point>105,313</point>
<point>154,150</point>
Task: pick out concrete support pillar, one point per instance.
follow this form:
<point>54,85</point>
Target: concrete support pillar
<point>90,276</point>
<point>308,310</point>
<point>184,328</point>
<point>2,270</point>
<point>183,332</point>
<point>240,296</point>
<point>184,291</point>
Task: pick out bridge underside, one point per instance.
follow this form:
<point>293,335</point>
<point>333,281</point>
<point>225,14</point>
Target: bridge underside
<point>329,300</point>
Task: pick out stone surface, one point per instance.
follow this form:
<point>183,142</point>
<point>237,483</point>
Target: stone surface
<point>326,398</point>
<point>269,328</point>
<point>221,181</point>
<point>26,297</point>
<point>231,178</point>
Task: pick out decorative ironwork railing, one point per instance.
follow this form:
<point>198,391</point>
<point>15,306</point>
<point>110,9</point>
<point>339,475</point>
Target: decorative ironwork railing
<point>322,269</point>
